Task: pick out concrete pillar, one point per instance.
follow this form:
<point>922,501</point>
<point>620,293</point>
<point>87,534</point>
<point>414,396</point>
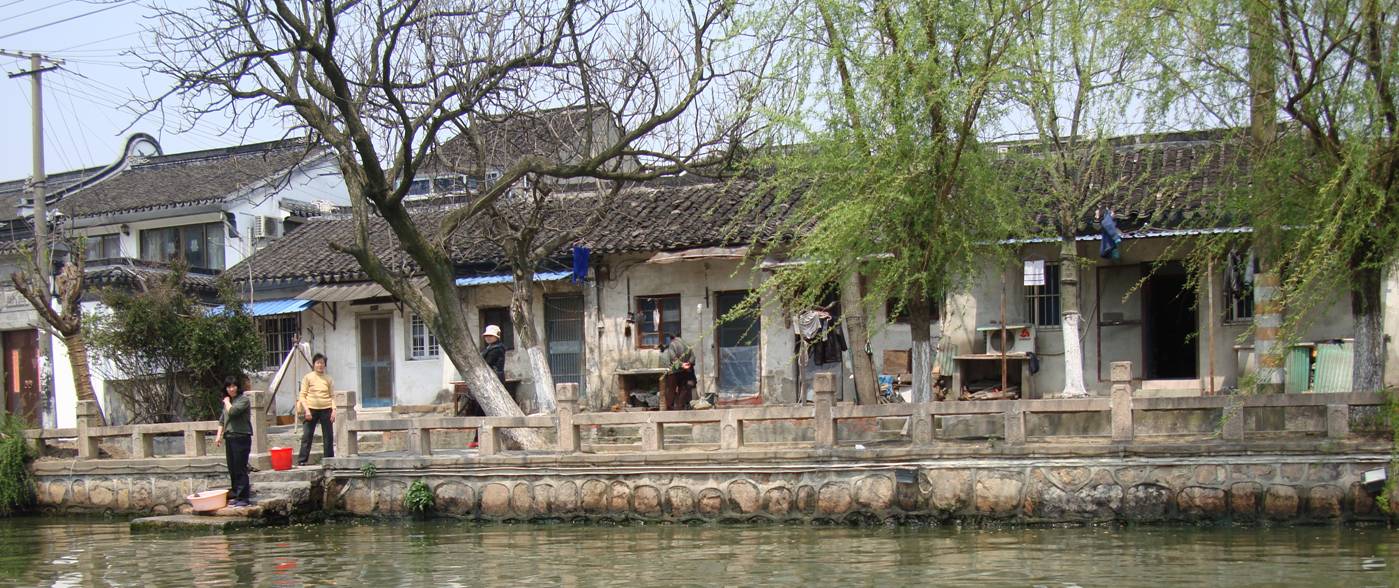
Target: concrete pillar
<point>419,440</point>
<point>1233,429</point>
<point>824,389</point>
<point>346,441</point>
<point>257,400</point>
<point>142,445</point>
<point>921,425</point>
<point>87,419</point>
<point>489,440</point>
<point>651,436</point>
<point>1122,430</point>
<point>1015,423</point>
<point>1337,421</point>
<point>567,397</point>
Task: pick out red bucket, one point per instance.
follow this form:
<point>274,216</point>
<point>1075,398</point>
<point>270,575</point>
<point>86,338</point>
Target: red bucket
<point>281,458</point>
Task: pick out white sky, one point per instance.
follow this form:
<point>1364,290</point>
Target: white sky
<point>83,102</point>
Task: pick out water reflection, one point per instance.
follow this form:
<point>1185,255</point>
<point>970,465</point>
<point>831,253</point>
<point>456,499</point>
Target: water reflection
<point>86,552</point>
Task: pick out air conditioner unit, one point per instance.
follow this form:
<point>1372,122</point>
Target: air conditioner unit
<point>265,227</point>
<point>1020,338</point>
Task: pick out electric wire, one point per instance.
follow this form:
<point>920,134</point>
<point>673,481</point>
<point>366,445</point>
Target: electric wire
<point>14,16</point>
<point>61,21</point>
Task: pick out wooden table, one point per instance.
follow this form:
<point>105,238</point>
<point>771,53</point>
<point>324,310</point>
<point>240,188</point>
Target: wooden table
<point>977,362</point>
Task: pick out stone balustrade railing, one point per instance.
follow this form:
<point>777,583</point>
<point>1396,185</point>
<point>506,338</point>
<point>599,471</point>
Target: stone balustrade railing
<point>89,433</point>
<point>822,417</point>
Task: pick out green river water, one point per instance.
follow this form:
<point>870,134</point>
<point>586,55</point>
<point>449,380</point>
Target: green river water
<point>102,552</point>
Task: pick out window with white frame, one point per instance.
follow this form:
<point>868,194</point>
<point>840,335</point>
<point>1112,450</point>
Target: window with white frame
<point>1042,302</point>
<point>422,343</point>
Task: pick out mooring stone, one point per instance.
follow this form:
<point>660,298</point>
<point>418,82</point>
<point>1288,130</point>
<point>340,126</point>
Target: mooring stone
<point>646,501</point>
<point>806,499</point>
<point>680,501</point>
<point>1146,502</point>
<point>833,498</point>
<point>58,492</point>
<point>997,496</point>
<point>358,499</point>
<point>543,495</point>
<point>777,501</point>
<point>743,497</point>
<point>619,499</point>
<point>711,501</point>
<point>80,492</point>
<point>455,498</point>
<point>1324,502</point>
<point>875,493</point>
<point>594,496</point>
<point>495,500</point>
<point>388,497</point>
<point>164,493</point>
<point>101,494</point>
<point>1202,502</point>
<point>565,498</point>
<point>522,499</point>
<point>1280,502</point>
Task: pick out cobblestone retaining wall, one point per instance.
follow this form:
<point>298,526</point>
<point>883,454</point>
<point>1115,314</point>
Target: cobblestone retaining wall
<point>1284,489</point>
<point>119,489</point>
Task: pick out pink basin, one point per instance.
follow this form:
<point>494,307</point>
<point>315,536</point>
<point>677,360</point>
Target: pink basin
<point>208,500</point>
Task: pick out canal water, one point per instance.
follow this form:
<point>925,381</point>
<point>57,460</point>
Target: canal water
<point>101,552</point>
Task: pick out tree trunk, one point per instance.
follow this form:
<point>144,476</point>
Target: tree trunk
<point>1367,306</point>
<point>920,318</point>
<point>852,309</point>
<point>1071,319</point>
<point>521,301</point>
<point>82,377</point>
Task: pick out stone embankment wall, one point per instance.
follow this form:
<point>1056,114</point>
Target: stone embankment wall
<point>1246,489</point>
<point>72,486</point>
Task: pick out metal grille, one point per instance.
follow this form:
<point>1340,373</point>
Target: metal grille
<point>563,333</point>
<point>1042,302</point>
<point>277,335</point>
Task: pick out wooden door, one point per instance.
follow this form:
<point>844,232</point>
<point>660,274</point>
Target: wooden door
<point>22,375</point>
<point>376,361</point>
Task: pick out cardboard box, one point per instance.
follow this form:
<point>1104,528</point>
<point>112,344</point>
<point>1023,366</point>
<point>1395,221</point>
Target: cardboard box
<point>897,361</point>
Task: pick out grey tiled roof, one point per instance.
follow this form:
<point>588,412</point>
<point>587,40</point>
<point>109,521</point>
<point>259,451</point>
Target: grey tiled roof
<point>167,181</point>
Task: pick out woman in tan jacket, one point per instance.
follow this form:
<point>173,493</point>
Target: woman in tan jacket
<point>317,406</point>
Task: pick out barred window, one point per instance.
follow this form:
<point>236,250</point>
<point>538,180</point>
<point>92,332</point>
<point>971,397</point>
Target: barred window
<point>1042,302</point>
<point>278,332</point>
<point>423,344</point>
<point>1238,286</point>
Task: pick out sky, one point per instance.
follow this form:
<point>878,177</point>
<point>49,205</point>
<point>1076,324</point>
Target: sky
<point>85,121</point>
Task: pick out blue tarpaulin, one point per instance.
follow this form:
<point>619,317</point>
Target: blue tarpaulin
<point>271,307</point>
<point>507,278</point>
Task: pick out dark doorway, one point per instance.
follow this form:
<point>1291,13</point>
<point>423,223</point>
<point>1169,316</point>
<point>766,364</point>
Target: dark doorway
<point>738,349</point>
<point>22,375</point>
<point>1171,333</point>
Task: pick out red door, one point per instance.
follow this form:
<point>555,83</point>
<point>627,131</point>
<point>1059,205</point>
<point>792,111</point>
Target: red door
<point>21,374</point>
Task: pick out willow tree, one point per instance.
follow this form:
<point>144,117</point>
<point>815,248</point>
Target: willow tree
<point>1329,180</point>
<point>1079,72</point>
<point>384,83</point>
<point>890,179</point>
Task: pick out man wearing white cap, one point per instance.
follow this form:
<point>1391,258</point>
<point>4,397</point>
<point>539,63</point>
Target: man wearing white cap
<point>494,351</point>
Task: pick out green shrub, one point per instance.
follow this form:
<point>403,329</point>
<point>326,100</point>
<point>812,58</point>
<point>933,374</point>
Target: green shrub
<point>419,499</point>
<point>16,481</point>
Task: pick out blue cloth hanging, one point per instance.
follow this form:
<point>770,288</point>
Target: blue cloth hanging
<point>580,264</point>
<point>1111,237</point>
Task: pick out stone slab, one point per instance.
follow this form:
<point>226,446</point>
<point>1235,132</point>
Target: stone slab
<point>189,522</point>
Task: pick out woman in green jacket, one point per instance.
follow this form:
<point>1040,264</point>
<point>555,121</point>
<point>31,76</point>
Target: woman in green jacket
<point>236,426</point>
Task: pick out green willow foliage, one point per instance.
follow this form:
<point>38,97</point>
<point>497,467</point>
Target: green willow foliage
<point>16,481</point>
<point>888,178</point>
<point>1324,195</point>
<point>175,352</point>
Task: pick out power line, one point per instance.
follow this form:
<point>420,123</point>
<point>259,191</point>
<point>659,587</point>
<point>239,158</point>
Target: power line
<point>90,43</point>
<point>12,17</point>
<point>61,21</point>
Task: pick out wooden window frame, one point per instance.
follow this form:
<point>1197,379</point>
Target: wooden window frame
<point>639,335</point>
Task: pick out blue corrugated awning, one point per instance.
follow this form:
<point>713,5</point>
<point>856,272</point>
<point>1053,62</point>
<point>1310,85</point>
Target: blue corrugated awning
<point>271,307</point>
<point>507,278</point>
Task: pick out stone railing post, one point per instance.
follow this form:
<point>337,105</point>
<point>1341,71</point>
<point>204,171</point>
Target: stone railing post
<point>419,440</point>
<point>1233,428</point>
<point>1015,422</point>
<point>1337,421</point>
<point>195,445</point>
<point>921,424</point>
<point>142,444</point>
<point>87,419</point>
<point>346,441</point>
<point>567,397</point>
<point>257,400</point>
<point>489,440</point>
<point>730,431</point>
<point>1122,424</point>
<point>824,387</point>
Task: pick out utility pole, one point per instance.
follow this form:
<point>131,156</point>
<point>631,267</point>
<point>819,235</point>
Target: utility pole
<point>41,220</point>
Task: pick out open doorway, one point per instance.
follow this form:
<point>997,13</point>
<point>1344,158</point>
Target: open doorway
<point>1171,334</point>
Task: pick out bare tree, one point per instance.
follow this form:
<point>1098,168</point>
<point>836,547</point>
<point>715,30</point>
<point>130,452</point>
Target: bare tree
<point>380,81</point>
<point>67,318</point>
